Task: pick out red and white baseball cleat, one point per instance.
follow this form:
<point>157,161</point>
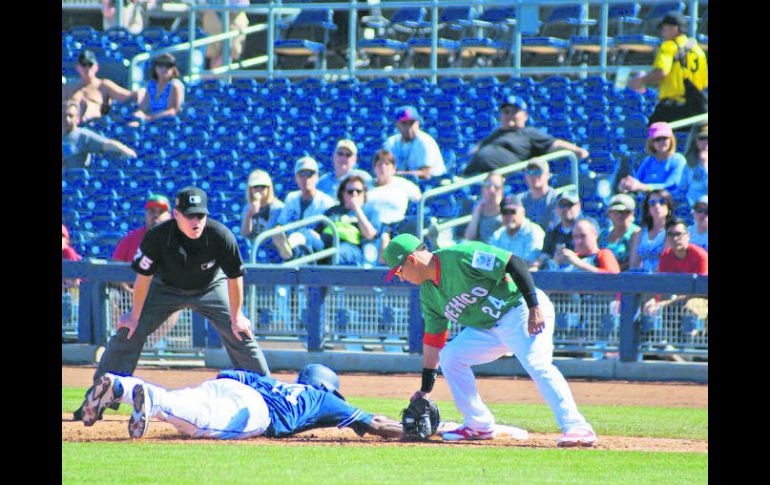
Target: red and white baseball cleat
<point>577,438</point>
<point>466,433</point>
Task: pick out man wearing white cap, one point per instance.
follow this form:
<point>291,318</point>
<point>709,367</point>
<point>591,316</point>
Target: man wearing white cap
<point>306,202</point>
<point>344,158</point>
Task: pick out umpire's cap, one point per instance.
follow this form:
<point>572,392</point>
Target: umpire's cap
<point>191,200</point>
<point>320,377</point>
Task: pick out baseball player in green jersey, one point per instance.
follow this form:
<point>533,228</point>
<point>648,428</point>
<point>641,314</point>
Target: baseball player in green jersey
<point>490,292</point>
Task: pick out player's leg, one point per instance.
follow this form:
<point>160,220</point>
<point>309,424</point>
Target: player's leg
<point>470,347</point>
<point>215,306</point>
<point>536,356</point>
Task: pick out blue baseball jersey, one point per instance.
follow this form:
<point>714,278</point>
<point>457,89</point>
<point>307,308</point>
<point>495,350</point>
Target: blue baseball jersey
<point>298,407</point>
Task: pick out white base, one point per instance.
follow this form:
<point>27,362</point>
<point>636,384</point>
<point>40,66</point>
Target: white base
<point>502,431</point>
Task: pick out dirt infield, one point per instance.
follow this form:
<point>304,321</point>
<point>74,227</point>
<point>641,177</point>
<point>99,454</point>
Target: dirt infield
<point>493,389</point>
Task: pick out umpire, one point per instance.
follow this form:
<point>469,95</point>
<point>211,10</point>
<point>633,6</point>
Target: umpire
<point>199,266</point>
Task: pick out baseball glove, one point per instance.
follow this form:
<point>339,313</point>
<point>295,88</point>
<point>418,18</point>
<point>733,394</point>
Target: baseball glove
<point>420,420</point>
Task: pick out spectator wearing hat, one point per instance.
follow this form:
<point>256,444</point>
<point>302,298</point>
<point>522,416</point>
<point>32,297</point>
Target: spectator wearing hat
<point>94,95</point>
<point>677,59</point>
<point>164,94</point>
<point>662,168</point>
<point>518,234</point>
<point>658,210</point>
<point>414,150</point>
<point>540,198</point>
<point>587,256</point>
<point>345,157</point>
<point>622,230</point>
<point>156,210</point>
<point>262,206</point>
<point>568,209</point>
<point>699,231</point>
<point>308,201</point>
<point>77,144</point>
<point>694,183</point>
<point>514,142</point>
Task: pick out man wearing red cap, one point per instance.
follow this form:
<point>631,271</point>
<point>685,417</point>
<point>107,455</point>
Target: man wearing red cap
<point>157,210</point>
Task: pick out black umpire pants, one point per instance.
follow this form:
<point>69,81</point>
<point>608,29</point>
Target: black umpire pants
<point>213,302</point>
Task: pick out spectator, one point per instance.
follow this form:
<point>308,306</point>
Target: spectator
<point>262,206</point>
<point>518,234</point>
<point>345,158</point>
<point>694,183</point>
<point>514,142</point>
<point>587,256</point>
<point>91,94</point>
<point>486,217</point>
<point>211,23</point>
<point>391,194</point>
<point>540,198</point>
<point>676,56</point>
<point>568,209</point>
<point>662,168</point>
<point>682,256</point>
<point>694,149</point>
<point>414,149</point>
<point>77,143</point>
<point>134,15</point>
<point>355,222</point>
<point>645,250</point>
<point>699,232</point>
<point>308,201</point>
<point>164,93</point>
<point>619,235</point>
<point>67,251</point>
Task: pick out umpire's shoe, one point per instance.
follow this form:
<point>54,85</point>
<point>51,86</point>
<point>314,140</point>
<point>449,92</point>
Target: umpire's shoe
<point>140,418</point>
<point>105,392</point>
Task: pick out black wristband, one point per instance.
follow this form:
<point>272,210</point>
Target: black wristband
<point>428,379</point>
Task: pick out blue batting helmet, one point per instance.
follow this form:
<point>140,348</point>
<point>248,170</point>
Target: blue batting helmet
<point>320,377</point>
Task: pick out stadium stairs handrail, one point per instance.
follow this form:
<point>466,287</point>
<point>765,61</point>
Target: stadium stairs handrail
<point>332,251</point>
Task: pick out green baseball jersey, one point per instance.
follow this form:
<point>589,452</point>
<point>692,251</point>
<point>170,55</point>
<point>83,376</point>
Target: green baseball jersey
<point>473,288</point>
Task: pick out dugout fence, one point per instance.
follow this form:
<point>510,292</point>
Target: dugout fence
<point>325,307</point>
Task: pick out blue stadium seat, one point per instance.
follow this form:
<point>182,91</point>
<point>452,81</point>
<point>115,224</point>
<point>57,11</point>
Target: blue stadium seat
<point>572,16</point>
<point>312,20</point>
<point>402,26</point>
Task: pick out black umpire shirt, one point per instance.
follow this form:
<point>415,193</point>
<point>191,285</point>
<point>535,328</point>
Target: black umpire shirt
<point>506,146</point>
<point>188,264</point>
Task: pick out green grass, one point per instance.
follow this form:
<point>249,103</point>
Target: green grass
<point>198,463</point>
<point>653,422</point>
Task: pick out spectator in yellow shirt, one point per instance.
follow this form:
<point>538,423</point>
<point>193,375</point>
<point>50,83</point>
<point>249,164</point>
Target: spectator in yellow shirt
<point>678,58</point>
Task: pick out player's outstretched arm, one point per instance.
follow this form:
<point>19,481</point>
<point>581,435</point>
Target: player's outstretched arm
<point>384,427</point>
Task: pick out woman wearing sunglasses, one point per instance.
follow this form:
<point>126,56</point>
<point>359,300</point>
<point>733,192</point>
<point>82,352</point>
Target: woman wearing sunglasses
<point>645,250</point>
<point>694,183</point>
<point>662,168</point>
<point>164,93</point>
<point>355,223</point>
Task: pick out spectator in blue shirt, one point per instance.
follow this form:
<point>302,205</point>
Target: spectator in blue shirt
<point>694,183</point>
<point>662,169</point>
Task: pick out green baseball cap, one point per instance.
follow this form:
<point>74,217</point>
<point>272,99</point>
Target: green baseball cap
<point>396,252</point>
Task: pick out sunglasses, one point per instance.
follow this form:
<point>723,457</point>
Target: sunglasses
<point>660,139</point>
<point>653,202</point>
<point>354,191</point>
<point>306,173</point>
<point>675,234</point>
<point>194,216</point>
<point>533,171</point>
<point>345,154</point>
<point>701,210</point>
<point>508,212</point>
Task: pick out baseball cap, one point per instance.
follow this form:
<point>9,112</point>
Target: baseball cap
<point>405,113</point>
<point>622,202</point>
<point>514,101</point>
<point>157,200</point>
<point>87,56</point>
<point>674,18</point>
<point>704,200</point>
<point>305,163</point>
<point>661,128</point>
<point>191,200</point>
<point>259,177</point>
<point>570,196</point>
<point>510,202</point>
<point>349,144</point>
<point>396,252</point>
<point>539,163</point>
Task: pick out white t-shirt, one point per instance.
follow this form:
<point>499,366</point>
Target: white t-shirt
<point>421,152</point>
<point>392,200</point>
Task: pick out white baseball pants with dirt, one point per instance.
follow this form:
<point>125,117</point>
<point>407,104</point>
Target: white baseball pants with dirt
<point>218,408</point>
<point>474,346</point>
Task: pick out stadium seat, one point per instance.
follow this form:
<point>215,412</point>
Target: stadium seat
<point>456,19</point>
<point>647,40</point>
<point>486,48</point>
<point>572,16</point>
<point>619,15</point>
<point>402,26</point>
<point>308,21</point>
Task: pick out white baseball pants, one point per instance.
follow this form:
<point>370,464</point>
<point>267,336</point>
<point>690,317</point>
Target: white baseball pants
<point>474,346</point>
<point>218,408</point>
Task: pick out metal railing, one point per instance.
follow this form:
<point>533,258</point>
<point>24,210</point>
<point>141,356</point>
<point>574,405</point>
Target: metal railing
<point>455,186</point>
<point>332,251</point>
<point>596,313</point>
